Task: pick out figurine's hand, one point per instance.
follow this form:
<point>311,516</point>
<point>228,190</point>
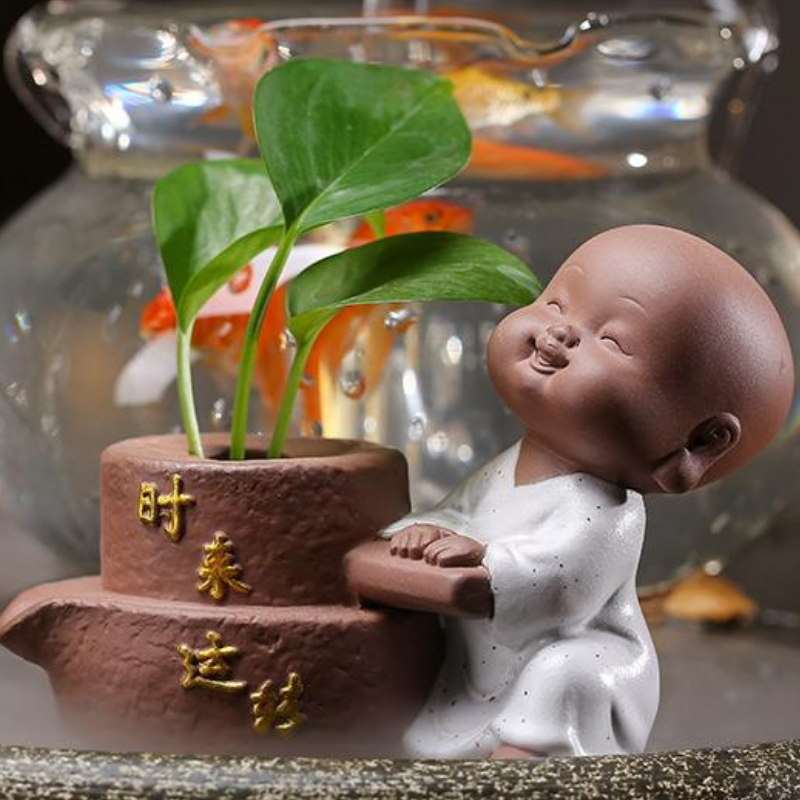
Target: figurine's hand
<point>412,541</point>
<point>455,551</point>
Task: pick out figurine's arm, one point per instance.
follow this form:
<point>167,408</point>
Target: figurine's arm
<point>396,573</point>
<point>375,574</point>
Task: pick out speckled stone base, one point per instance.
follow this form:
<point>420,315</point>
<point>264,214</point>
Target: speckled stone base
<point>763,772</point>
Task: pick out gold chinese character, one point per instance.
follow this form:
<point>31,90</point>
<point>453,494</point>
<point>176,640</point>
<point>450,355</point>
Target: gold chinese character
<point>264,702</point>
<point>147,503</point>
<point>166,510</point>
<point>208,669</point>
<point>218,570</point>
<point>278,710</point>
<point>172,507</point>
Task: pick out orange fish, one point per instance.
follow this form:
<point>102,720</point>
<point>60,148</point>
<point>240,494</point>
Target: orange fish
<point>510,161</point>
<point>363,329</point>
<point>360,329</point>
<point>241,53</point>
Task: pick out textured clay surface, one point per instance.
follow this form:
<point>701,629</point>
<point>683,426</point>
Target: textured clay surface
<point>365,674</point>
<point>290,521</point>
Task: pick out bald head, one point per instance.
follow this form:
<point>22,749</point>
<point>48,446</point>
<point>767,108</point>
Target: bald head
<point>652,359</point>
<point>722,346</point>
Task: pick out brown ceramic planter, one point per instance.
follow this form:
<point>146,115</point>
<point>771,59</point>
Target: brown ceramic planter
<point>218,576</point>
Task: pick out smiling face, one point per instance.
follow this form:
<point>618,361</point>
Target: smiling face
<point>643,336</point>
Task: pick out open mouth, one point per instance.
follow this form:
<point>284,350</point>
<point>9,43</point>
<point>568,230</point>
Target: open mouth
<point>547,360</point>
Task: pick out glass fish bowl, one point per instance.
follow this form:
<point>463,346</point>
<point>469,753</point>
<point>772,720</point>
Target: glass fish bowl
<point>583,117</point>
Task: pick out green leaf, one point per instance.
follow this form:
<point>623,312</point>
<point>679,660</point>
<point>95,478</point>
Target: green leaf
<point>341,139</point>
<point>211,218</point>
<point>414,266</point>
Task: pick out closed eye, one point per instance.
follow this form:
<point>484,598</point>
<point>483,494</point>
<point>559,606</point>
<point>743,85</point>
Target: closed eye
<point>555,304</point>
<point>611,342</point>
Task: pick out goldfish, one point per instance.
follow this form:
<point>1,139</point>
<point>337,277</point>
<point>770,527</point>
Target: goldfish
<point>241,52</point>
<point>416,217</point>
<point>362,330</point>
<point>502,160</point>
<point>488,99</point>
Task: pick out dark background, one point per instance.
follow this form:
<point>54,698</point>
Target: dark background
<point>770,162</point>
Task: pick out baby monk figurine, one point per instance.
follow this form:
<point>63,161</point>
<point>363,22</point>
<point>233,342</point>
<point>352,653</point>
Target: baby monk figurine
<point>651,363</point>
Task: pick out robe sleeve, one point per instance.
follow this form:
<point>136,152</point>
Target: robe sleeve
<point>555,578</point>
<point>453,513</point>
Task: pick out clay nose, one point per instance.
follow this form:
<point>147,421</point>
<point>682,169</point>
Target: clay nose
<point>554,343</point>
<point>563,334</point>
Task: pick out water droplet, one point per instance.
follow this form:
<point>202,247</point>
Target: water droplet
<point>307,381</point>
<point>136,289</point>
<point>370,425</point>
<point>353,384</point>
<point>400,320</point>
<point>160,89</point>
<point>416,427</point>
<point>627,48</point>
<point>739,63</point>
<point>316,428</point>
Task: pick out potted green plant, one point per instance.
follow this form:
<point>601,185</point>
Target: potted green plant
<point>223,620</point>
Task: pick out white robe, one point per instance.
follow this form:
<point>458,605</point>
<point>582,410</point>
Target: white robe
<point>566,665</point>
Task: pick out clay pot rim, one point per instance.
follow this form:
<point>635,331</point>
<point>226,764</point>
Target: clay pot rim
<point>300,451</point>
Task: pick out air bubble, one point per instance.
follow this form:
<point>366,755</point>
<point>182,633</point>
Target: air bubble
<point>160,89</point>
<point>627,48</point>
<point>287,341</point>
<point>353,384</point>
<point>400,320</point>
<point>416,427</point>
<point>437,443</point>
<point>219,413</point>
<point>661,88</point>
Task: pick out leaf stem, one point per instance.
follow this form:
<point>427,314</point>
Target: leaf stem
<point>289,397</point>
<point>186,392</point>
<point>244,378</point>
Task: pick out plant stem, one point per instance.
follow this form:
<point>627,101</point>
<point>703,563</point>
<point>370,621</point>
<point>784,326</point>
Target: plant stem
<point>244,378</point>
<point>186,392</point>
<point>289,397</point>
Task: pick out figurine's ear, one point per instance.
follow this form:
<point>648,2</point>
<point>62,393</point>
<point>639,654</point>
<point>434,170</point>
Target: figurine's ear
<point>684,469</point>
